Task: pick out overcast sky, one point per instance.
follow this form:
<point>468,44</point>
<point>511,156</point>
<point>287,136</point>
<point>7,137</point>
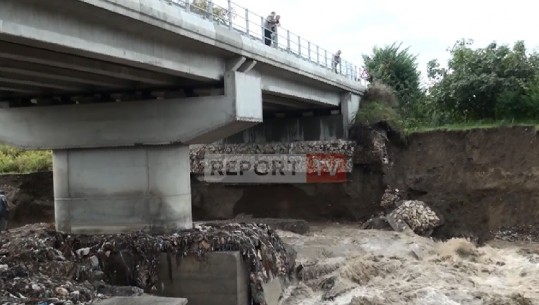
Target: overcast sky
<point>428,27</point>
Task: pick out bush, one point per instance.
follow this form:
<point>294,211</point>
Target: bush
<point>14,160</point>
<point>374,113</point>
<point>378,109</point>
<point>397,68</point>
<point>382,93</point>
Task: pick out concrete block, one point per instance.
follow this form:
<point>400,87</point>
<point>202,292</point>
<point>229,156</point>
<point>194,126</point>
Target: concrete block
<point>221,278</point>
<point>143,300</point>
<point>112,190</point>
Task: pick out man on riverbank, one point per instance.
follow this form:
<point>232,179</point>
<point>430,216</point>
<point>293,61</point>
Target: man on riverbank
<point>3,211</point>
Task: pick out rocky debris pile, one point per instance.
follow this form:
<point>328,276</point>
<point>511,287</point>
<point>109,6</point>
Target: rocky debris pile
<point>371,145</point>
<point>413,215</point>
<point>38,264</point>
<point>404,215</point>
<point>198,153</point>
<point>259,245</point>
<point>298,226</point>
<point>33,268</point>
<point>389,198</point>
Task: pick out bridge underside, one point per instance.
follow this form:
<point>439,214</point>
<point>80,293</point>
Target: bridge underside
<point>118,89</point>
<point>31,76</point>
<point>45,76</point>
<point>74,52</point>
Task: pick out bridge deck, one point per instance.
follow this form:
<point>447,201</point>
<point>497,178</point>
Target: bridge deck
<point>83,51</point>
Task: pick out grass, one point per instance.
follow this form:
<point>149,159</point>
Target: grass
<point>373,113</point>
<point>378,105</point>
<point>15,160</point>
<point>482,124</point>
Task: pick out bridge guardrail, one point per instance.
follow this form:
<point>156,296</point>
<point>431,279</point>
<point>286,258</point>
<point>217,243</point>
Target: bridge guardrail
<point>250,24</point>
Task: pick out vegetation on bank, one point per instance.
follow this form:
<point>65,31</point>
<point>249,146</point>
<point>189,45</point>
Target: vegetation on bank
<point>492,86</point>
<point>14,160</point>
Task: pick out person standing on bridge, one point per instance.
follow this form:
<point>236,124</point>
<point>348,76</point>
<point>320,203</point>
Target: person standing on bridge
<point>336,61</point>
<point>274,33</point>
<point>269,24</point>
<point>3,211</point>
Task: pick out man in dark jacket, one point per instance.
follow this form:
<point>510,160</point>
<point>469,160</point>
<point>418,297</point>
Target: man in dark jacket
<point>269,25</point>
<point>3,211</point>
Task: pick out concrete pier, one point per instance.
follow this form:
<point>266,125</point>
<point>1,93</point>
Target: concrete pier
<point>112,190</point>
<point>124,166</point>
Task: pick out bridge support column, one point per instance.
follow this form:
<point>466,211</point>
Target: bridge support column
<point>119,166</point>
<point>349,108</point>
<point>112,190</point>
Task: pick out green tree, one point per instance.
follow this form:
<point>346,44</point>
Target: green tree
<point>397,68</point>
<point>496,82</point>
<point>220,14</point>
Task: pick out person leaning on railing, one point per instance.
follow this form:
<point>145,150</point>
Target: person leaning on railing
<point>269,26</point>
<point>336,61</point>
<point>274,33</point>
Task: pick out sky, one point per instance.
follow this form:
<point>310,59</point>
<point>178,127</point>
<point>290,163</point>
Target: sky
<point>427,27</point>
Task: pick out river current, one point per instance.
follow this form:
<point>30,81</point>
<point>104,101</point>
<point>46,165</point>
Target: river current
<point>344,265</point>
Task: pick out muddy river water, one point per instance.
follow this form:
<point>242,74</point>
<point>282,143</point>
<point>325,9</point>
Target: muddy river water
<point>343,264</point>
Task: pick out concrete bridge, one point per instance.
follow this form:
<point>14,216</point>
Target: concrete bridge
<point>118,89</point>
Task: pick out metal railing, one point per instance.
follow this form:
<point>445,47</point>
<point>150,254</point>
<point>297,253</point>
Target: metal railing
<point>242,20</point>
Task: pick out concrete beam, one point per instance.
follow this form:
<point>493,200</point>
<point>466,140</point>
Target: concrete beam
<point>76,28</point>
<point>290,130</point>
<point>13,78</point>
<point>235,63</point>
<point>151,122</point>
<point>31,56</point>
<point>286,103</point>
<point>19,88</point>
<point>281,85</point>
<point>61,74</point>
<point>248,66</point>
